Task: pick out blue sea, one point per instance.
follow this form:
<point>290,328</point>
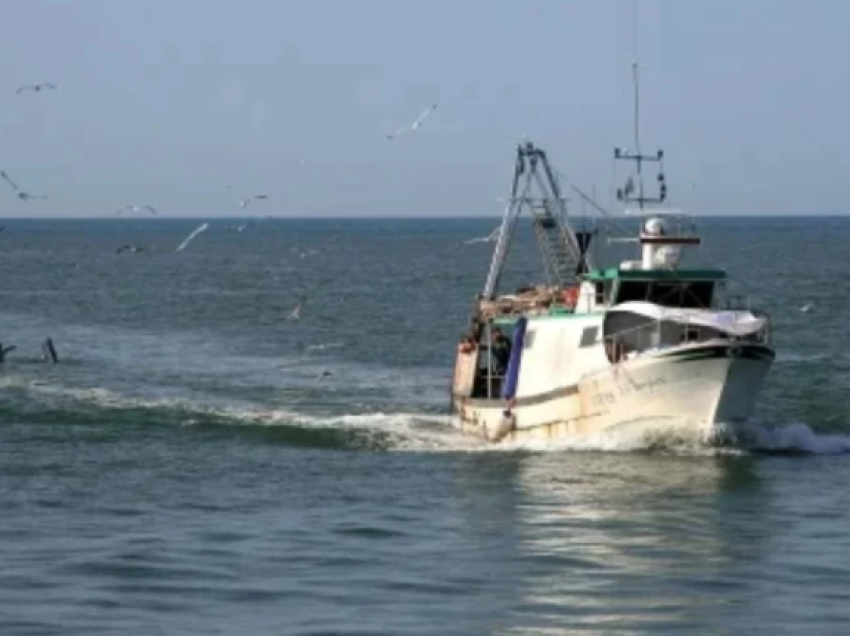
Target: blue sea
<point>199,463</point>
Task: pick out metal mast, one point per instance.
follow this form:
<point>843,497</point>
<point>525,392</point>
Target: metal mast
<point>625,193</point>
<point>536,189</point>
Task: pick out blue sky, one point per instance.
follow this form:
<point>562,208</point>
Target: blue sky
<point>167,101</point>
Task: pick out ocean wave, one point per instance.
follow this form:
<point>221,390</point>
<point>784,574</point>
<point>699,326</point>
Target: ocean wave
<point>418,431</point>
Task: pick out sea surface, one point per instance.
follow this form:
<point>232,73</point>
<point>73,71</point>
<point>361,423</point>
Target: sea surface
<point>198,463</point>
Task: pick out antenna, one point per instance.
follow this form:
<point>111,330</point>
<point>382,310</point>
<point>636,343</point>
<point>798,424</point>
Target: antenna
<point>636,82</point>
<point>634,31</point>
<point>624,193</point>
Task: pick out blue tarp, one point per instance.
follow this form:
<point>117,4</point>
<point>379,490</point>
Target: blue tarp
<point>512,374</point>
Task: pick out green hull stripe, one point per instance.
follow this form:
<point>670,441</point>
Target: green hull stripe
<point>749,352</point>
<point>531,400</point>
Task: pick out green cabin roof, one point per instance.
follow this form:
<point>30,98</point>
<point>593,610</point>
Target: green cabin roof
<point>615,273</point>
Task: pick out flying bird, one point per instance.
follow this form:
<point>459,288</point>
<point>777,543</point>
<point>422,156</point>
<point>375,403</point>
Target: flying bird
<point>36,87</point>
<point>415,125</point>
<point>137,208</point>
<point>23,196</point>
<point>296,313</point>
<point>322,346</point>
<point>246,201</point>
<point>189,238</point>
<point>243,203</point>
<point>486,239</point>
<point>133,249</point>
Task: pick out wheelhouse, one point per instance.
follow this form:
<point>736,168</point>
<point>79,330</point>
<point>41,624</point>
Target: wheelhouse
<point>684,289</point>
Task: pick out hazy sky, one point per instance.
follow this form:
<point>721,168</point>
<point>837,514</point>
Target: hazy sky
<point>167,101</point>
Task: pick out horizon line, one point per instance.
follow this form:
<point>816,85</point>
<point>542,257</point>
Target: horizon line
<point>390,218</point>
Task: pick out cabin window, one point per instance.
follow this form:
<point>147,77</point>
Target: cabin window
<point>588,336</point>
<point>687,295</point>
<point>632,290</point>
<point>603,291</point>
<point>690,334</point>
<point>673,293</point>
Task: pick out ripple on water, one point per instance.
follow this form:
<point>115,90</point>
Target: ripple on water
<point>183,470</point>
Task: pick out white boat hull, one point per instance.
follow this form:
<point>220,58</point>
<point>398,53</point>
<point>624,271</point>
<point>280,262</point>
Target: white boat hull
<point>688,391</point>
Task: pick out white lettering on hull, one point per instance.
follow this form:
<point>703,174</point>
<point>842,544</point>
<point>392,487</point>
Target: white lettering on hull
<point>626,387</point>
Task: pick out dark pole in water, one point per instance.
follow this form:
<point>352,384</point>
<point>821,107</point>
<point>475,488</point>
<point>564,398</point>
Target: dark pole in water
<point>49,351</point>
<point>4,351</point>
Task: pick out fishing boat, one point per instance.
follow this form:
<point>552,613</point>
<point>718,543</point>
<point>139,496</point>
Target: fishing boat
<point>642,345</point>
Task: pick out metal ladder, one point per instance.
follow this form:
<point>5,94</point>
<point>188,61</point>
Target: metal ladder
<point>561,262</point>
<point>536,187</point>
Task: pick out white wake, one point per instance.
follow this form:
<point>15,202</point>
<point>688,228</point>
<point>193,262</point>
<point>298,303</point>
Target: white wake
<point>430,432</point>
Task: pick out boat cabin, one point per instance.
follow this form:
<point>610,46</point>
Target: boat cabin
<point>637,311</point>
<point>685,289</point>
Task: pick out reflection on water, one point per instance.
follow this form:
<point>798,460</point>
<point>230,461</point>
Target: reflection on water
<point>634,543</point>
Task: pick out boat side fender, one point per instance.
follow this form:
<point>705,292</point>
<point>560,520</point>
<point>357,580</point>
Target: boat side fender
<point>506,424</point>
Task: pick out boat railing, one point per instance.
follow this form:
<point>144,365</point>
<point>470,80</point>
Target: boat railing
<point>766,332</point>
<point>648,336</point>
<point>736,302</point>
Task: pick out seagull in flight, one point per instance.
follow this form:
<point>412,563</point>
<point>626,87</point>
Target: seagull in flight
<point>322,346</point>
<point>245,202</point>
<point>415,125</point>
<point>201,228</point>
<point>133,249</point>
<point>138,208</point>
<point>36,87</point>
<point>494,235</point>
<point>23,196</point>
<point>296,313</point>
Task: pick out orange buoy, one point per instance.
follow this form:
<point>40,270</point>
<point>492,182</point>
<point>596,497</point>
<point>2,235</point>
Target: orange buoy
<point>571,296</point>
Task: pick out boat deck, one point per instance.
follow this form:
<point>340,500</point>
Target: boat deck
<point>535,301</point>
